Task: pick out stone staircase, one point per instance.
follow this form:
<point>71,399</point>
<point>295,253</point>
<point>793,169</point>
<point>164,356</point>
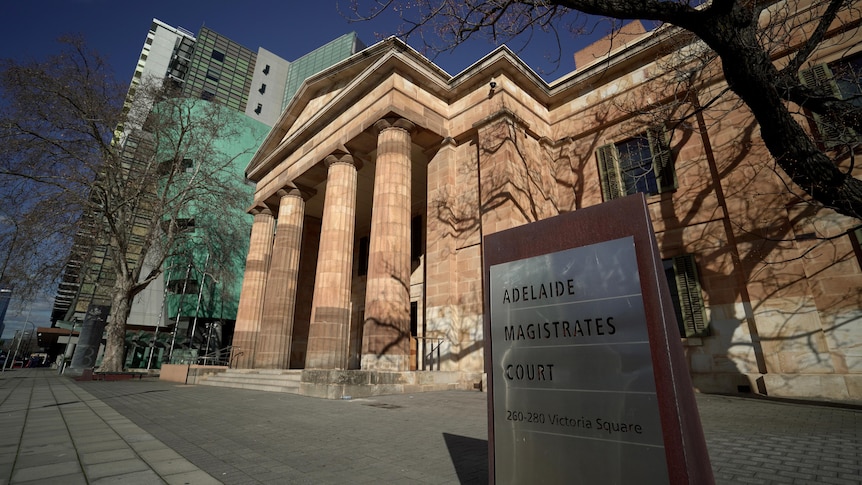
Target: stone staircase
<point>273,380</point>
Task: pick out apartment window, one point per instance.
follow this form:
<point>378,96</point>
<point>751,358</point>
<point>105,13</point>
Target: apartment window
<point>218,55</point>
<point>188,165</point>
<point>213,74</point>
<point>207,95</point>
<point>642,163</point>
<point>177,286</point>
<point>262,88</point>
<point>266,70</point>
<point>259,108</point>
<point>685,291</point>
<point>842,79</point>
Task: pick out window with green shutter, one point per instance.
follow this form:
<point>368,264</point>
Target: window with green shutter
<point>856,242</point>
<point>642,163</point>
<point>684,285</point>
<point>843,80</point>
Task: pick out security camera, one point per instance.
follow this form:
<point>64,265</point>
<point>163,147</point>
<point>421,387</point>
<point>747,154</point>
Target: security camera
<point>493,84</point>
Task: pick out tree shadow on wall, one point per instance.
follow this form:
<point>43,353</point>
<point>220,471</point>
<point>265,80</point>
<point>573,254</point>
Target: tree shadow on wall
<point>469,456</point>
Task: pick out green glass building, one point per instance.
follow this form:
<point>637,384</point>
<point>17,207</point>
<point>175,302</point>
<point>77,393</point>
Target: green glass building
<point>318,60</point>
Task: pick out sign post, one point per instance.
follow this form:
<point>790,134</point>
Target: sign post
<point>587,381</point>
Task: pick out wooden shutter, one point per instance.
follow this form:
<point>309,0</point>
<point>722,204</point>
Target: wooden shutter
<point>609,172</point>
<point>690,296</point>
<point>856,243</point>
<point>662,162</point>
<point>821,77</point>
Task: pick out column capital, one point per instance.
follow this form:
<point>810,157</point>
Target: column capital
<point>305,193</point>
<point>341,157</point>
<point>395,122</point>
<point>260,209</point>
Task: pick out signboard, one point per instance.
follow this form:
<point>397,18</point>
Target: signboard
<point>573,380</point>
<point>587,383</point>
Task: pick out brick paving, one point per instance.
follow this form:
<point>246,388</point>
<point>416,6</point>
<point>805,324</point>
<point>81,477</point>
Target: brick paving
<point>55,430</point>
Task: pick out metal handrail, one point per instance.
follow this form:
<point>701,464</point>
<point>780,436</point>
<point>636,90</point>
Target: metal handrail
<point>216,357</point>
<point>234,356</point>
<point>429,357</point>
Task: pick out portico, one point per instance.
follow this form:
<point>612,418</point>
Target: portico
<point>375,188</point>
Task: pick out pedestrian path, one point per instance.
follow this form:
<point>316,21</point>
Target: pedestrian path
<point>53,431</point>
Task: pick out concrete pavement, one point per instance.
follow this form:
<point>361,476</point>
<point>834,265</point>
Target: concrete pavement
<point>55,430</point>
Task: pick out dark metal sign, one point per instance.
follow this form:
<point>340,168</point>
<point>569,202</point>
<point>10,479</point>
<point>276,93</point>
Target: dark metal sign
<point>586,378</point>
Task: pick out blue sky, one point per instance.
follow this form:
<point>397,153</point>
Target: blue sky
<point>290,29</point>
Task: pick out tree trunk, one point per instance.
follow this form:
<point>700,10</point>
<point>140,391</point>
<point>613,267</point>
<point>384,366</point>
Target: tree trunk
<point>751,74</point>
<point>115,330</point>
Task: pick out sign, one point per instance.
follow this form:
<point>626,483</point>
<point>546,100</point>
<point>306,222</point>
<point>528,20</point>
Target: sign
<point>587,383</point>
<point>573,380</point>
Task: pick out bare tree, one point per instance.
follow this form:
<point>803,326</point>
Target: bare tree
<point>746,37</point>
<point>33,242</point>
<point>132,196</point>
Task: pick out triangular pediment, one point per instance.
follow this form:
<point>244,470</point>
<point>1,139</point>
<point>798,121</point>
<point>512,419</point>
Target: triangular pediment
<point>334,90</point>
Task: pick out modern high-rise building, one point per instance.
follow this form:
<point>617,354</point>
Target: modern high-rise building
<point>166,54</point>
<point>214,68</point>
<point>220,70</point>
<point>319,59</point>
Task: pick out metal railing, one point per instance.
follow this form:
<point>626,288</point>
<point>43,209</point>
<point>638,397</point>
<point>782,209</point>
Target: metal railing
<point>428,356</point>
<point>216,357</point>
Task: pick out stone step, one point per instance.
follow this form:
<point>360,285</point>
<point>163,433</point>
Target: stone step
<point>270,372</point>
<point>256,380</point>
<point>251,386</point>
<point>293,376</point>
<point>260,380</point>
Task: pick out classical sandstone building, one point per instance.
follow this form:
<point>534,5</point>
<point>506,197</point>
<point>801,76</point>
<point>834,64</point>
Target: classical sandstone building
<point>381,177</point>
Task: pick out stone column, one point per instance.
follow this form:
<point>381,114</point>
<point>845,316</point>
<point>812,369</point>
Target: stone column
<point>330,313</point>
<point>386,330</point>
<point>276,328</point>
<point>253,286</point>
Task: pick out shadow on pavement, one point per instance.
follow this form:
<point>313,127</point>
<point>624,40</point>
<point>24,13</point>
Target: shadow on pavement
<point>469,456</point>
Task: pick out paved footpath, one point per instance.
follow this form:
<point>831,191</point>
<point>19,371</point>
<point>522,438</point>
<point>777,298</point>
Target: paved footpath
<point>55,430</point>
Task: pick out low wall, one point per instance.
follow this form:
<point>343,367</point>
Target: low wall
<point>341,384</point>
<point>188,374</point>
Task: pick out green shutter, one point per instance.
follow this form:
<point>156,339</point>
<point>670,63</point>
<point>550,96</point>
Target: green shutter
<point>856,242</point>
<point>821,77</point>
<point>662,162</point>
<point>609,172</point>
<point>690,296</point>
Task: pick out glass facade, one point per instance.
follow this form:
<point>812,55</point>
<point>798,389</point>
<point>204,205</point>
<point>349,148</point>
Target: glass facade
<point>318,60</point>
<point>220,70</point>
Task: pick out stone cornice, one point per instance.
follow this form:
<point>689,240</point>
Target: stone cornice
<point>369,68</point>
